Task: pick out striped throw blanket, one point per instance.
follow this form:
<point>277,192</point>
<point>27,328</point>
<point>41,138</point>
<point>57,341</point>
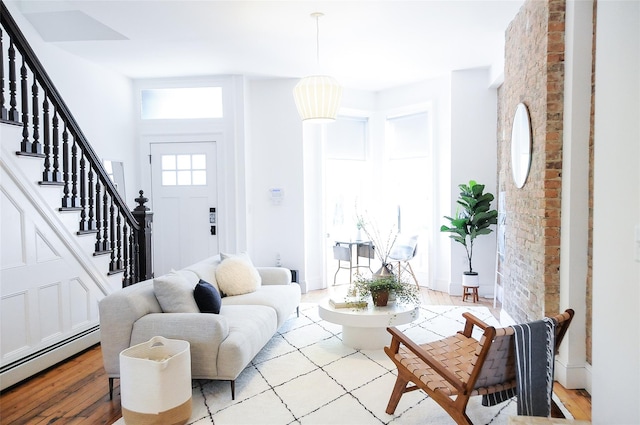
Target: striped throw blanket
<point>535,357</point>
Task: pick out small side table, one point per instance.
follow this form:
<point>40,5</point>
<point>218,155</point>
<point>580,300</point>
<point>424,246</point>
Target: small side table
<point>470,291</point>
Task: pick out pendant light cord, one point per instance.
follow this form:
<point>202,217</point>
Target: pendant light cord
<point>318,39</point>
<point>317,15</point>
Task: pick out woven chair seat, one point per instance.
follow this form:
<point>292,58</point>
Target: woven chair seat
<point>455,353</point>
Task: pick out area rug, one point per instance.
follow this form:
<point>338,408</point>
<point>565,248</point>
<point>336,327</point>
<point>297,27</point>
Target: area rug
<point>305,375</point>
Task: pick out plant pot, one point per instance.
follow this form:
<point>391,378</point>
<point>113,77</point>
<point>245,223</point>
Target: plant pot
<point>470,279</point>
<point>380,298</point>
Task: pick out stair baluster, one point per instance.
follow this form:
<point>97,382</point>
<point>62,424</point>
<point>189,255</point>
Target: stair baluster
<point>74,174</point>
<point>105,223</point>
<point>13,101</point>
<point>55,173</point>
<point>46,141</point>
<point>83,195</point>
<point>119,242</point>
<point>98,218</point>
<point>112,237</point>
<point>126,276</point>
<point>36,148</point>
<point>25,146</point>
<point>91,224</point>
<point>4,114</point>
<point>65,168</point>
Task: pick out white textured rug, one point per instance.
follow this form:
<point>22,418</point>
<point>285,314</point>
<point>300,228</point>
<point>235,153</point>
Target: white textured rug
<point>305,375</point>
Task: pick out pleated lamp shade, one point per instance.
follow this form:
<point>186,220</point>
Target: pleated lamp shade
<point>317,98</point>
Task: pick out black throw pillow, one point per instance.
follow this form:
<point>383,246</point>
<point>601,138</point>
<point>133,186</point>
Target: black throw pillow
<point>207,297</point>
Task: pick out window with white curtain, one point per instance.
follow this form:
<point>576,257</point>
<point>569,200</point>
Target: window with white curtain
<point>346,174</point>
<point>408,144</point>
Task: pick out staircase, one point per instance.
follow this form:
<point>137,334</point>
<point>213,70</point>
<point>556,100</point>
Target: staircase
<point>68,238</point>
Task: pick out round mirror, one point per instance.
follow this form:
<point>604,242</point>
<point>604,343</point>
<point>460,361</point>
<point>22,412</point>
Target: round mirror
<point>520,145</point>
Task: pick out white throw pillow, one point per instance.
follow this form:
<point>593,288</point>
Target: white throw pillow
<point>236,276</point>
<point>175,293</point>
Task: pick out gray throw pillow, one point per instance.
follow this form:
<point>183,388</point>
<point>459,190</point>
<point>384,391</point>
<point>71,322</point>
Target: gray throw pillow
<point>175,293</point>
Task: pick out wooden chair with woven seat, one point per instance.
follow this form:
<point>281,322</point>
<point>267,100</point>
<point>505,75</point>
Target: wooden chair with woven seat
<point>453,369</point>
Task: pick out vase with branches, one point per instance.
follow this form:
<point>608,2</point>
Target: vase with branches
<point>381,239</point>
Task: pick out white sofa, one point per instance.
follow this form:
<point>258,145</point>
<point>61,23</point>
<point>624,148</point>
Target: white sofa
<point>223,344</point>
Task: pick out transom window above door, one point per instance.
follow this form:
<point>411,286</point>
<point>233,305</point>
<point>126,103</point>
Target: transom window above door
<point>184,170</point>
<point>181,103</point>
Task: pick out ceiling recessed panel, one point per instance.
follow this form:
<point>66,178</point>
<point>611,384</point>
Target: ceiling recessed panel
<point>71,25</point>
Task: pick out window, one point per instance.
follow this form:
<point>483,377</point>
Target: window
<point>410,167</point>
<point>347,174</point>
<point>181,103</point>
<point>408,139</point>
<point>184,170</point>
<point>408,136</point>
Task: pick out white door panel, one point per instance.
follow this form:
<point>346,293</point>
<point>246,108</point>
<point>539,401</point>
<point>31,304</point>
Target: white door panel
<point>184,188</point>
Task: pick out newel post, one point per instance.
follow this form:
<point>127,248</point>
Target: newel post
<point>144,216</point>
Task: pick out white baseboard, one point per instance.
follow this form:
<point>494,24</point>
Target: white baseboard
<point>440,285</point>
<point>573,376</point>
<point>30,367</point>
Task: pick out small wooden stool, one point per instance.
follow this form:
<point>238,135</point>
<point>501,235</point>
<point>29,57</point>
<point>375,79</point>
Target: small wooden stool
<point>470,291</point>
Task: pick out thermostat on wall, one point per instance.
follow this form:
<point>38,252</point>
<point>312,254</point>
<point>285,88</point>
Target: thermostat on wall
<point>276,195</point>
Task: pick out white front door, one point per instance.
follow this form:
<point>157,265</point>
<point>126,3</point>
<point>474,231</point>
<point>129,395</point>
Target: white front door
<point>184,204</point>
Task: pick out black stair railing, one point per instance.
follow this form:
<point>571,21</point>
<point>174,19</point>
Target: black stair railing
<point>29,99</point>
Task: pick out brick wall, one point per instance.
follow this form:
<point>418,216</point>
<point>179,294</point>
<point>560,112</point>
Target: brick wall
<point>534,75</point>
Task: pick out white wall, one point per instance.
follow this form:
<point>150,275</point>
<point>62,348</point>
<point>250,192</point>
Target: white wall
<point>100,100</point>
<point>473,157</point>
<point>570,363</point>
<point>276,161</point>
<point>616,270</point>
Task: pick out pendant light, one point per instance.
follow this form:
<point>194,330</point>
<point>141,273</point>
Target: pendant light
<point>317,96</point>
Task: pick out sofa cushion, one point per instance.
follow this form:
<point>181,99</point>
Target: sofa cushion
<point>237,276</point>
<point>174,292</point>
<point>250,328</point>
<point>207,297</point>
<point>283,299</point>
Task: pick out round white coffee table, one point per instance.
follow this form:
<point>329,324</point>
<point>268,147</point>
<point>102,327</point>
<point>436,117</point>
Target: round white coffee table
<point>366,328</point>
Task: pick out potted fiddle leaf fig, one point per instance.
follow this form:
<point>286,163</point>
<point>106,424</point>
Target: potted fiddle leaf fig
<point>473,218</point>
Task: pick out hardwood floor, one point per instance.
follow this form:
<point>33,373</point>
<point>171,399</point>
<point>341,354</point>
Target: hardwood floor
<point>76,391</point>
<point>73,392</point>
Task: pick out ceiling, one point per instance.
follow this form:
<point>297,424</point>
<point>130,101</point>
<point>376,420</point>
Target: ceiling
<point>365,44</point>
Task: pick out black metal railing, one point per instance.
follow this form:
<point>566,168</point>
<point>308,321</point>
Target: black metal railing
<point>29,99</point>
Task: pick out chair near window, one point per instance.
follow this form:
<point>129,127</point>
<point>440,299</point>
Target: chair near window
<point>404,250</point>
